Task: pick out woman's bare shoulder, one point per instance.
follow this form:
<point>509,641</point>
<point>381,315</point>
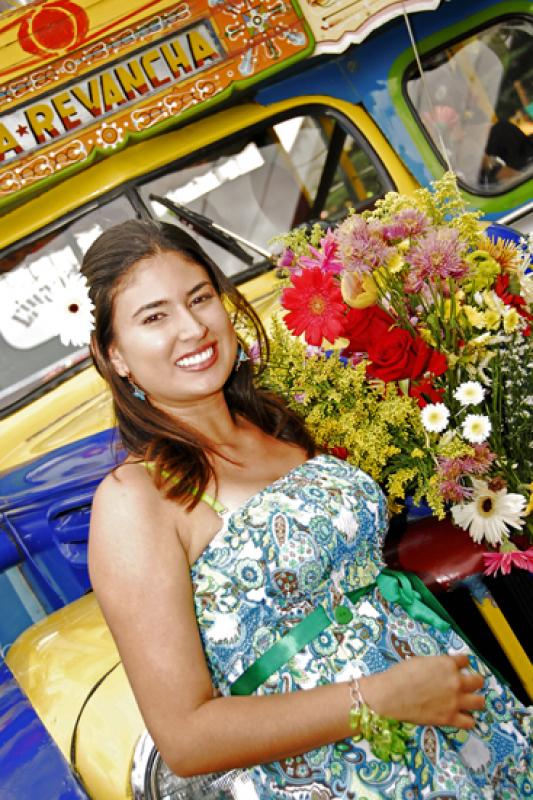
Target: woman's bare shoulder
<point>127,489</point>
<point>131,522</point>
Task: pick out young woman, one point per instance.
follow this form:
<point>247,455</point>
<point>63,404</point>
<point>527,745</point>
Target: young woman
<point>222,534</point>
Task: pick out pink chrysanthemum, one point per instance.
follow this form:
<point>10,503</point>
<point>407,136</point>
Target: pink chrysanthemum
<point>454,492</point>
<point>324,258</point>
<point>505,561</point>
<point>407,223</point>
<point>315,306</point>
<point>479,463</point>
<point>437,257</point>
<point>362,245</point>
<point>451,469</point>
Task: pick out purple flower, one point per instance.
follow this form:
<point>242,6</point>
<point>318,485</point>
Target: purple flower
<point>286,259</point>
<point>324,258</point>
<point>407,223</point>
<point>254,352</point>
<point>437,257</point>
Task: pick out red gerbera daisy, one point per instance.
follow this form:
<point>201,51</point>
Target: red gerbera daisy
<point>315,306</point>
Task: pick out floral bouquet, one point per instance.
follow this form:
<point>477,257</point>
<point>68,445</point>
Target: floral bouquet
<point>406,345</point>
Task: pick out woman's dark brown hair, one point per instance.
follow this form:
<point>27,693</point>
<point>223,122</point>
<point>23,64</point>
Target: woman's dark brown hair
<point>179,453</point>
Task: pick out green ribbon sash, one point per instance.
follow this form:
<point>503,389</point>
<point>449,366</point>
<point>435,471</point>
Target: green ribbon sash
<point>414,597</point>
<point>403,588</point>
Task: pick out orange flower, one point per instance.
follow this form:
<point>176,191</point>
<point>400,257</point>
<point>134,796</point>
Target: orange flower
<point>504,252</point>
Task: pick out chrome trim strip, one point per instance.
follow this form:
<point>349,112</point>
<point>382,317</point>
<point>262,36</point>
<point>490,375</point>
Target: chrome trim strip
<point>143,756</point>
<point>516,214</point>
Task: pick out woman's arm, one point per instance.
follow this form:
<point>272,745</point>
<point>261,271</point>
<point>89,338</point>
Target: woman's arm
<point>140,575</point>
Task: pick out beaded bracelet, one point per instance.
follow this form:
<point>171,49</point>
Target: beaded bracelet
<point>387,737</point>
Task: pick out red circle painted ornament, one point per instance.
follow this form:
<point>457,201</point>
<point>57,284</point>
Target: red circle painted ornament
<point>55,27</point>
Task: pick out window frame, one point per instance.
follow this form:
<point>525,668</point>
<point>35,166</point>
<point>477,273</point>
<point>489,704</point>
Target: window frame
<point>412,68</point>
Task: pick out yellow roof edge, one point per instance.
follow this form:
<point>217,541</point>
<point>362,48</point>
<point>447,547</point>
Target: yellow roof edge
<point>143,158</point>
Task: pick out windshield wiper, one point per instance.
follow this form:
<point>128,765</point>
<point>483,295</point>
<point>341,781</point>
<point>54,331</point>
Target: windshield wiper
<point>229,240</point>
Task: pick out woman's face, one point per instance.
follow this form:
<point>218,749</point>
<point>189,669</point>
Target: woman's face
<point>172,335</point>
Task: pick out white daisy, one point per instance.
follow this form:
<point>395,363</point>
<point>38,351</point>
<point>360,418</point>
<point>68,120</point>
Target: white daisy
<point>476,428</point>
<point>435,417</point>
<point>72,311</point>
<point>469,393</point>
<point>490,514</point>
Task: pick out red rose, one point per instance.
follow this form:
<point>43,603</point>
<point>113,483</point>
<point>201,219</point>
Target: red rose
<point>501,287</point>
<point>395,354</point>
<point>339,452</point>
<point>428,360</point>
<point>363,325</point>
<point>398,355</point>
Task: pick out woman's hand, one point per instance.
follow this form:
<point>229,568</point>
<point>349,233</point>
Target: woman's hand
<point>426,690</point>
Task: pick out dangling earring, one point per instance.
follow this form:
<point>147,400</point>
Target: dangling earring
<point>136,391</point>
<point>241,357</point>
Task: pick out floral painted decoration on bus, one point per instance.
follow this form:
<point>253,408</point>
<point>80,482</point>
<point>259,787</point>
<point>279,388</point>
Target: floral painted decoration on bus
<point>406,345</point>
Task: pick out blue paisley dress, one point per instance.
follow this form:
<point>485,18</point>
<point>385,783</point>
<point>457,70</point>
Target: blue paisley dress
<point>305,540</point>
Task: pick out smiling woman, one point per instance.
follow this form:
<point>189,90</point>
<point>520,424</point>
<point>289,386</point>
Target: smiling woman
<point>237,567</point>
<point>163,332</point>
<point>183,328</point>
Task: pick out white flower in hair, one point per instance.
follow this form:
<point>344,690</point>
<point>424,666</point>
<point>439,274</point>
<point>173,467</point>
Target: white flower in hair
<point>72,310</point>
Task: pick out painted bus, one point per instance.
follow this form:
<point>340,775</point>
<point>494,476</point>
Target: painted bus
<point>240,119</point>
